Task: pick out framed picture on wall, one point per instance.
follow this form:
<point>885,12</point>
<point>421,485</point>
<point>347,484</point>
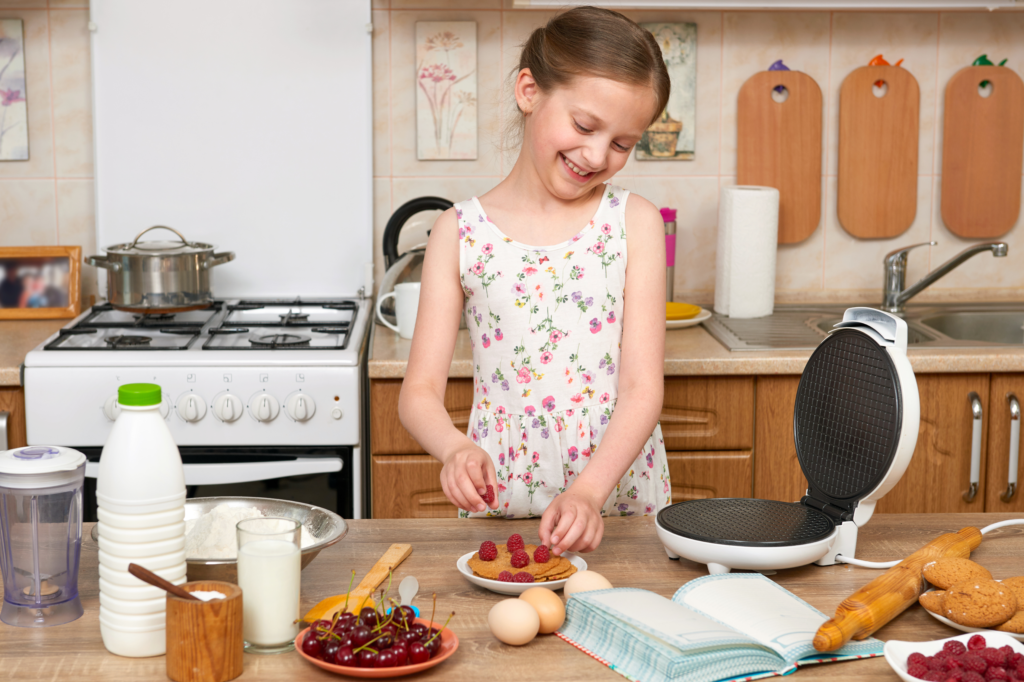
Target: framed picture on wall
<point>39,282</point>
<point>13,111</point>
<point>673,135</point>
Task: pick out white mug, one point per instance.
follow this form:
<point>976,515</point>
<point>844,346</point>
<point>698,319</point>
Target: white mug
<point>407,300</point>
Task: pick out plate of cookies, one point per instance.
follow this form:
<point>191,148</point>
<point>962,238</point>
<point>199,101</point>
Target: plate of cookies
<point>967,598</point>
<point>514,567</point>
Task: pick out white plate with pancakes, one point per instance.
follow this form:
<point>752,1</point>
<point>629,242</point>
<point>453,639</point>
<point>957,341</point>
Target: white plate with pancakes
<point>514,589</point>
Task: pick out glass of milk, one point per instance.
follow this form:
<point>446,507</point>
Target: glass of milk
<point>269,566</point>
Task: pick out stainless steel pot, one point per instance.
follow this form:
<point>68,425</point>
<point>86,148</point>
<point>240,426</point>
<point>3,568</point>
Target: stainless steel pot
<point>159,276</point>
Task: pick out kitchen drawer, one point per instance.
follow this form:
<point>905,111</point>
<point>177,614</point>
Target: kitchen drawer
<point>702,475</point>
<point>389,437</point>
<point>409,487</point>
<point>708,413</point>
<point>12,401</point>
<point>1003,387</point>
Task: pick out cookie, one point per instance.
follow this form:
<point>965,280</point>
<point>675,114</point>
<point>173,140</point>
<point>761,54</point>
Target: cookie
<point>979,603</point>
<point>1017,585</point>
<point>932,601</point>
<point>1014,625</point>
<point>949,571</point>
<point>503,562</point>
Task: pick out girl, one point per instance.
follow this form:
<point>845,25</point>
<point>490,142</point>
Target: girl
<point>567,324</point>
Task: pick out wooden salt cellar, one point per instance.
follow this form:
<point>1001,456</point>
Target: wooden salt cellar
<point>204,638</point>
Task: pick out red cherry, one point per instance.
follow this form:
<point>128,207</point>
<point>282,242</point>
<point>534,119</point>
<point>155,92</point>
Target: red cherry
<point>311,645</point>
<point>418,653</point>
<point>367,659</point>
<point>385,659</point>
<point>344,656</point>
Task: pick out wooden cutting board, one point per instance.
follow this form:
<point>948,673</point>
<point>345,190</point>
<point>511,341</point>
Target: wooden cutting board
<point>779,145</point>
<point>982,152</point>
<point>878,152</point>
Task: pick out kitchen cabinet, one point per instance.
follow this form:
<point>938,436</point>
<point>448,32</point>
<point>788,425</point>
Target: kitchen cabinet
<point>409,487</point>
<point>703,475</point>
<point>389,437</point>
<point>12,401</point>
<point>1001,416</point>
<point>777,474</point>
<point>708,413</point>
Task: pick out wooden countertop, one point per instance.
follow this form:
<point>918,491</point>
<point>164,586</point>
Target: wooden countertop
<point>17,338</point>
<point>694,352</point>
<point>629,556</point>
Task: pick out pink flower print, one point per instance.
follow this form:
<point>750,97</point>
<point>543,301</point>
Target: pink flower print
<point>486,341</point>
<point>499,425</point>
<point>529,271</point>
<point>610,319</point>
<point>519,289</point>
<point>484,389</point>
<point>548,403</point>
<point>511,454</point>
<point>604,398</point>
<point>598,248</point>
<point>462,232</point>
<point>577,398</point>
<point>498,336</point>
<point>586,452</point>
<point>9,97</point>
<point>606,229</point>
<point>478,268</point>
<point>555,336</point>
<point>500,410</point>
<point>501,489</point>
<point>527,478</point>
<point>650,461</point>
<point>530,410</point>
<point>559,426</point>
<point>523,375</point>
<point>486,249</point>
<point>437,73</point>
<point>666,487</point>
<point>546,357</point>
<point>535,458</point>
<point>595,326</point>
<point>588,378</point>
<point>649,509</point>
<point>569,413</point>
<point>573,453</point>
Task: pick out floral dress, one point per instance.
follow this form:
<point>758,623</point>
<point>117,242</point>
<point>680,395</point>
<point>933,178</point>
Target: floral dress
<point>546,329</point>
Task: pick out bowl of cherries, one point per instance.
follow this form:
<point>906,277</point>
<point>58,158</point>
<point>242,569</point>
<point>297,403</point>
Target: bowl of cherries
<point>372,644</point>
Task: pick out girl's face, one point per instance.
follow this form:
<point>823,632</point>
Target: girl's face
<point>580,135</point>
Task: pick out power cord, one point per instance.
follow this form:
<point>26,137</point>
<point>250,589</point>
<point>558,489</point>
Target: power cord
<point>889,564</point>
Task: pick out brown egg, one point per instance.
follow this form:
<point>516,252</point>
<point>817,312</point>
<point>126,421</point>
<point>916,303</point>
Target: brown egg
<point>549,607</point>
<point>513,621</point>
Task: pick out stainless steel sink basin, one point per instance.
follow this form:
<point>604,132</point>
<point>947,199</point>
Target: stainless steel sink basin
<point>799,327</point>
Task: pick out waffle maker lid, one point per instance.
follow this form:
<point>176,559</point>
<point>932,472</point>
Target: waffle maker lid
<point>846,426</point>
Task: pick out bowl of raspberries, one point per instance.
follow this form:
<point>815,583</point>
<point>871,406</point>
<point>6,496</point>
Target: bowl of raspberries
<point>514,567</point>
<point>993,657</point>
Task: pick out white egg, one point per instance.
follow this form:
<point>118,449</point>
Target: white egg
<point>585,581</point>
<point>514,621</point>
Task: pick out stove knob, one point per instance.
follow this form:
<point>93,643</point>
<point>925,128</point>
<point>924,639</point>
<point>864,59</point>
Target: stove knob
<point>227,407</point>
<point>264,407</point>
<point>299,406</point>
<point>191,407</point>
<point>165,407</point>
<point>111,408</point>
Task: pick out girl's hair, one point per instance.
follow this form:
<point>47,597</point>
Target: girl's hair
<point>590,41</point>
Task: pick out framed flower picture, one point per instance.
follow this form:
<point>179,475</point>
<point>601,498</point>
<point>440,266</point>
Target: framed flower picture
<point>39,282</point>
<point>673,135</point>
<point>446,90</point>
<point>13,109</point>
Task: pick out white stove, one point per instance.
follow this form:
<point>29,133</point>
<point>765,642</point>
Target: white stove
<point>253,388</point>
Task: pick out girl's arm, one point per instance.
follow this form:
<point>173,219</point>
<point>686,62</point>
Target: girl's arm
<point>574,523</point>
<point>467,468</point>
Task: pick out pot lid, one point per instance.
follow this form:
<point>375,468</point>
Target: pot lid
<point>159,247</point>
<point>40,459</point>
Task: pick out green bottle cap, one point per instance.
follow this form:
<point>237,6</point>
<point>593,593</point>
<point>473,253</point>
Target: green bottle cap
<point>139,395</point>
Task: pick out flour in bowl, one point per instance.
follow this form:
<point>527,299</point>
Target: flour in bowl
<point>213,536</point>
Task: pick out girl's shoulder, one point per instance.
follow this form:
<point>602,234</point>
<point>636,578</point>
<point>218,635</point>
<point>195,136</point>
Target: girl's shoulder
<point>637,213</point>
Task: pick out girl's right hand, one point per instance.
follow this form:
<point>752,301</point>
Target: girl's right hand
<point>465,476</point>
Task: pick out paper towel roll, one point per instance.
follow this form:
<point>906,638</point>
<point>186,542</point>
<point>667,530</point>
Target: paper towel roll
<point>748,235</point>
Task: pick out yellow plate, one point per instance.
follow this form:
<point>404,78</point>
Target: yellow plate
<point>680,311</point>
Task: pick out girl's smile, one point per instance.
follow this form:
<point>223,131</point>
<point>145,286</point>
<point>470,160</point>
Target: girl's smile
<point>575,171</point>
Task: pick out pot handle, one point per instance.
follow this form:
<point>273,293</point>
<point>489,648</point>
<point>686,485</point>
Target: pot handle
<point>219,259</point>
<point>184,242</point>
<point>102,262</point>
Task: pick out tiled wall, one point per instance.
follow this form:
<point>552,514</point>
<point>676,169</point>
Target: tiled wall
<point>49,199</point>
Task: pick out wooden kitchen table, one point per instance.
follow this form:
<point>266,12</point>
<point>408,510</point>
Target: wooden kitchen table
<point>630,556</point>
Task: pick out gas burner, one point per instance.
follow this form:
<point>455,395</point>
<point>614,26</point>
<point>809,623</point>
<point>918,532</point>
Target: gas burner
<point>292,317</point>
<point>128,341</point>
<point>278,340</point>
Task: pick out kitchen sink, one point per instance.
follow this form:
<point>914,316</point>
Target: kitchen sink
<point>799,327</point>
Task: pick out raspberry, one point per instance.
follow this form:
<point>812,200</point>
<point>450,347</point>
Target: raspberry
<point>994,657</point>
<point>955,675</point>
<point>1007,649</point>
<point>934,676</point>
<point>542,555</point>
<point>520,558</point>
<point>515,542</point>
<point>489,495</point>
<point>1013,659</point>
<point>916,658</point>
<point>971,676</point>
<point>488,551</point>
<point>919,671</point>
<point>976,643</point>
<point>943,655</point>
<point>936,663</point>
<point>996,673</point>
<point>505,576</point>
<point>522,577</point>
<point>953,663</point>
<point>954,647</point>
<point>974,662</point>
<point>1019,672</point>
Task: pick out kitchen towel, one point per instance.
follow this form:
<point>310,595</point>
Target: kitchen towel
<point>748,234</point>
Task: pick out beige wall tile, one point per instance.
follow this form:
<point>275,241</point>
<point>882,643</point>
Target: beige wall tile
<point>20,4</point>
<point>516,28</point>
<point>403,79</point>
<point>64,4</point>
<point>72,92</point>
<point>912,36</point>
<point>751,42</point>
<point>381,93</point>
<point>381,4</point>
<point>28,213</point>
<point>37,84</point>
<point>381,213</point>
<point>76,226</point>
<point>446,4</point>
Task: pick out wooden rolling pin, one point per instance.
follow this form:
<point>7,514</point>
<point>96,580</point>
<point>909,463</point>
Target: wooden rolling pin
<point>888,595</point>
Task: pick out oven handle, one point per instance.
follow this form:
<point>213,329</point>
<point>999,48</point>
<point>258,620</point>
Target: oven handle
<point>243,472</point>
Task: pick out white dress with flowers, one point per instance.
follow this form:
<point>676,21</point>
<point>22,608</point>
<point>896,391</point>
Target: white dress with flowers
<point>546,330</point>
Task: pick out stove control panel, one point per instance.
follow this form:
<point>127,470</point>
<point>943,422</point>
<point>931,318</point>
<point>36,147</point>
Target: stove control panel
<point>227,407</point>
<point>299,406</point>
<point>264,407</point>
<point>191,407</point>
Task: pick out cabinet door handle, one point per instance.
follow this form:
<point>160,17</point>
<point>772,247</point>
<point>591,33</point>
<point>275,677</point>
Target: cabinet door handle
<point>4,442</point>
<point>1011,478</point>
<point>976,415</point>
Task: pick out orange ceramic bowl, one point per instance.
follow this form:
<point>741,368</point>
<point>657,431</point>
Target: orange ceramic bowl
<point>449,643</point>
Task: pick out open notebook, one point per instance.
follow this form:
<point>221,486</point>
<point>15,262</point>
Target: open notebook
<point>717,627</point>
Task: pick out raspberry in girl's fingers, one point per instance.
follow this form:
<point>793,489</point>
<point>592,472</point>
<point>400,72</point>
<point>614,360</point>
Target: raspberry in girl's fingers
<point>489,495</point>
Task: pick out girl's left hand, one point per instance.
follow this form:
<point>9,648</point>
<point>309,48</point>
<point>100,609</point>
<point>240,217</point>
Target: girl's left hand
<point>572,523</point>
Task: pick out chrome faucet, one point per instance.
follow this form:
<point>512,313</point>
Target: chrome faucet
<point>893,293</point>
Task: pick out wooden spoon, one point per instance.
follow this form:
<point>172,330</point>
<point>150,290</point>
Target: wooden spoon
<point>147,576</point>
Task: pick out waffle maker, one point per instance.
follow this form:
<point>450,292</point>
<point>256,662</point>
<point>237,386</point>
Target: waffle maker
<point>855,426</point>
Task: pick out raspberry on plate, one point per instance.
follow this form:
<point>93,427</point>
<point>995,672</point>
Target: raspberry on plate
<point>955,675</point>
<point>916,658</point>
<point>954,647</point>
<point>934,676</point>
<point>515,542</point>
<point>505,576</point>
<point>488,551</point>
<point>917,670</point>
<point>520,558</point>
<point>953,663</point>
<point>974,662</point>
<point>522,577</point>
<point>971,676</point>
<point>976,643</point>
<point>542,554</point>
<point>996,674</point>
<point>994,657</point>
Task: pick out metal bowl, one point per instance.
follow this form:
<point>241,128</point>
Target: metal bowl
<point>326,526</point>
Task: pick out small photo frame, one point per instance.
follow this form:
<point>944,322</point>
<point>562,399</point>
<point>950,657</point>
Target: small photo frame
<point>40,282</point>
